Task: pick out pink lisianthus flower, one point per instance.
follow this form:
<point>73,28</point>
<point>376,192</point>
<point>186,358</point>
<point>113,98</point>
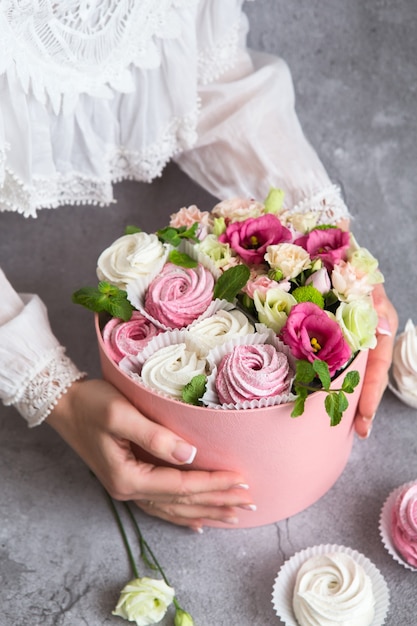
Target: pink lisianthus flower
<point>329,245</point>
<point>311,334</point>
<point>251,238</point>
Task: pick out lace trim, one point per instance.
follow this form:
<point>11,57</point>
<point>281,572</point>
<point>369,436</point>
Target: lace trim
<point>49,192</point>
<point>213,61</point>
<point>328,203</point>
<point>44,385</point>
<point>71,47</point>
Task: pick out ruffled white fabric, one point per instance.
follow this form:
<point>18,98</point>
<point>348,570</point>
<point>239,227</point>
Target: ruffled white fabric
<point>95,92</point>
<point>34,371</point>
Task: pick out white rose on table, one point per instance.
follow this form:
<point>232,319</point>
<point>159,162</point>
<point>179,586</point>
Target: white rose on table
<point>131,257</point>
<point>290,259</point>
<point>144,601</point>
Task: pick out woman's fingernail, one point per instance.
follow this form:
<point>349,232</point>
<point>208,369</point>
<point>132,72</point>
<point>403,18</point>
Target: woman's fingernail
<point>366,435</point>
<point>383,327</point>
<point>248,507</point>
<point>231,520</point>
<point>197,529</point>
<point>184,452</point>
<point>368,419</point>
<point>241,486</point>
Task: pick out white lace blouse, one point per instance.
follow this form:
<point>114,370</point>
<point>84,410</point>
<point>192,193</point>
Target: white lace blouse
<point>93,92</point>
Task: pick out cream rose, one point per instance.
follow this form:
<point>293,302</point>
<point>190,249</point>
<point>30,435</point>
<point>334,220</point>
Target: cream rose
<point>170,368</point>
<point>303,222</point>
<point>131,257</point>
<point>144,601</point>
<point>238,209</point>
<point>273,307</point>
<point>358,321</point>
<point>219,328</point>
<point>288,258</point>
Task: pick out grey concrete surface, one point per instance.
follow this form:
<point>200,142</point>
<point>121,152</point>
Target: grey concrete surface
<point>62,562</point>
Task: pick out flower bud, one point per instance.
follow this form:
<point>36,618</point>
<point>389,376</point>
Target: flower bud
<point>182,618</point>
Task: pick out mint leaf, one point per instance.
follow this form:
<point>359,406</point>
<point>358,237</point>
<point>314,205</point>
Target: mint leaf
<point>304,372</point>
<point>351,381</point>
<point>194,390</point>
<point>335,403</point>
<point>105,297</point>
<point>173,236</point>
<point>322,370</point>
<point>131,230</point>
<point>302,393</point>
<point>231,282</point>
<point>182,259</point>
<point>169,235</point>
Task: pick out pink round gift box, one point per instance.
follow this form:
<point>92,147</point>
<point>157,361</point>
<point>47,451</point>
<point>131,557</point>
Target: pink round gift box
<point>289,463</point>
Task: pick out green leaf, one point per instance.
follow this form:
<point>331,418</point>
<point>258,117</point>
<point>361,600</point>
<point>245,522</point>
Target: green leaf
<point>322,370</point>
<point>131,230</point>
<point>231,282</point>
<point>304,371</point>
<point>350,381</point>
<point>194,390</point>
<point>189,233</point>
<point>182,259</point>
<point>105,297</point>
<point>336,403</point>
<point>169,235</point>
<point>299,403</point>
<point>274,200</point>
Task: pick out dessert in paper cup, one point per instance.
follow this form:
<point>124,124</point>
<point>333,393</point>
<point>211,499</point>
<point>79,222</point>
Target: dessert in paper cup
<point>403,373</point>
<point>263,320</point>
<point>398,525</point>
<point>330,584</point>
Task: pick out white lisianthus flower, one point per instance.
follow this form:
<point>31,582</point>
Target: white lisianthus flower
<point>131,257</point>
<point>238,209</point>
<point>364,262</point>
<point>347,285</point>
<point>220,253</point>
<point>144,601</point>
<point>358,321</point>
<point>273,307</point>
<point>288,258</point>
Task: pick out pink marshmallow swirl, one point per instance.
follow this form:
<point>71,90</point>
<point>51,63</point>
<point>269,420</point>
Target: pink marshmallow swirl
<point>252,372</point>
<point>128,338</point>
<point>404,524</point>
<point>179,295</point>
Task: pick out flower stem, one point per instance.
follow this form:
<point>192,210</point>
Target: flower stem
<point>124,536</point>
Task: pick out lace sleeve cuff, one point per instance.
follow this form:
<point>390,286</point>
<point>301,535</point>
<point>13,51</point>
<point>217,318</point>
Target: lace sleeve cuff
<point>34,370</point>
<point>44,385</point>
<point>327,203</point>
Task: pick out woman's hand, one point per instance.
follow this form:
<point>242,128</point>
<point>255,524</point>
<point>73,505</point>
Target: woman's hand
<point>379,362</point>
<point>103,427</point>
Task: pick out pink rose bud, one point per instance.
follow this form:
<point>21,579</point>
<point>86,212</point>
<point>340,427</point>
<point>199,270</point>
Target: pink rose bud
<point>320,280</point>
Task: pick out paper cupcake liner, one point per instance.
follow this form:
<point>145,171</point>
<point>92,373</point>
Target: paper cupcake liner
<point>283,588</point>
<point>211,399</point>
<point>385,526</point>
